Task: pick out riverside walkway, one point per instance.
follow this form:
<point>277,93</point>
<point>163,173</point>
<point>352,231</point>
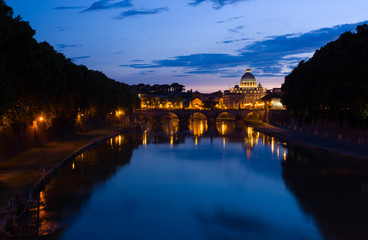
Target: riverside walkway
<point>315,142</point>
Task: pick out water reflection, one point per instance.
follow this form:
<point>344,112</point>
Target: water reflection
<point>227,187</point>
<point>170,124</point>
<point>333,190</point>
<point>65,196</point>
<point>225,127</point>
<point>198,127</point>
<point>198,124</point>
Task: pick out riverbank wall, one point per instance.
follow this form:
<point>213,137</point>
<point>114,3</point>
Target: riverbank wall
<point>326,128</point>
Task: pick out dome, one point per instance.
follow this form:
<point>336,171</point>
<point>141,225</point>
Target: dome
<point>248,80</point>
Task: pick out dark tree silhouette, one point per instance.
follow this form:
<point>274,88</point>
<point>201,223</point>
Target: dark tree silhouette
<point>333,83</point>
<point>35,79</point>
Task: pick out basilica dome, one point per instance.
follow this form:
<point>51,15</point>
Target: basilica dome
<point>248,80</point>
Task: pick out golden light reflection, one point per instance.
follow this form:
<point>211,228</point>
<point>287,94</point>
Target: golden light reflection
<point>171,141</point>
<point>73,166</point>
<point>284,154</point>
<point>144,141</point>
<point>225,127</point>
<point>278,152</point>
<point>170,124</point>
<point>198,126</point>
<point>272,145</point>
<point>119,140</point>
<point>250,131</point>
<point>248,153</point>
<point>223,142</point>
<point>196,140</point>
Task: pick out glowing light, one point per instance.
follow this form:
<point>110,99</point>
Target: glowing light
<point>196,141</point>
<point>171,141</point>
<point>119,140</point>
<point>250,132</point>
<point>73,166</point>
<point>284,155</point>
<point>144,138</point>
<point>272,144</point>
<point>223,128</point>
<point>41,118</point>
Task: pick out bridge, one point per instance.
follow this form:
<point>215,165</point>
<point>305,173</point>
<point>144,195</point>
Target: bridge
<point>184,115</point>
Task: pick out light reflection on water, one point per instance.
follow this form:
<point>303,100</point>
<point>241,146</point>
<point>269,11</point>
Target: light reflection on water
<point>178,186</point>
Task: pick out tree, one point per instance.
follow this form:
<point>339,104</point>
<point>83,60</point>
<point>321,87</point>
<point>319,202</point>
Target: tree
<point>333,83</point>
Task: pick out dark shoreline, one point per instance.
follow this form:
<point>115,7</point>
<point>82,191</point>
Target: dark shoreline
<point>313,142</point>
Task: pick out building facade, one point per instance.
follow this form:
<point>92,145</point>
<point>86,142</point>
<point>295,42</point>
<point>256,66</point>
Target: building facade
<point>245,95</point>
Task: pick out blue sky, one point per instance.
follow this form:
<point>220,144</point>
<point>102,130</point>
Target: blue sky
<point>205,45</point>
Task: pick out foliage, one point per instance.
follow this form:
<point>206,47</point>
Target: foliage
<point>36,79</point>
<point>157,89</point>
<point>333,83</point>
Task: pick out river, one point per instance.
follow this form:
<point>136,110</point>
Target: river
<point>209,182</point>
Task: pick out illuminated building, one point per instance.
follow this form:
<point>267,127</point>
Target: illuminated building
<point>245,95</point>
<point>196,104</point>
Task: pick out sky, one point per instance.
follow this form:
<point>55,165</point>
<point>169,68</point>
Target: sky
<point>205,45</point>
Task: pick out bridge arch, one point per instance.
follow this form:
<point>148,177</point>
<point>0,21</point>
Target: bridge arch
<point>198,123</point>
<point>169,116</point>
<point>142,117</point>
<point>225,123</point>
<point>198,116</point>
<point>253,116</point>
<point>225,116</point>
<point>170,123</point>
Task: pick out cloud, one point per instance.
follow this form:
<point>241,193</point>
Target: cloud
<point>235,40</point>
<point>236,29</point>
<point>62,46</point>
<point>136,12</point>
<point>181,75</point>
<point>77,58</point>
<point>217,4</point>
<point>148,72</point>
<point>108,4</point>
<point>67,8</point>
<point>229,19</point>
<point>273,56</point>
